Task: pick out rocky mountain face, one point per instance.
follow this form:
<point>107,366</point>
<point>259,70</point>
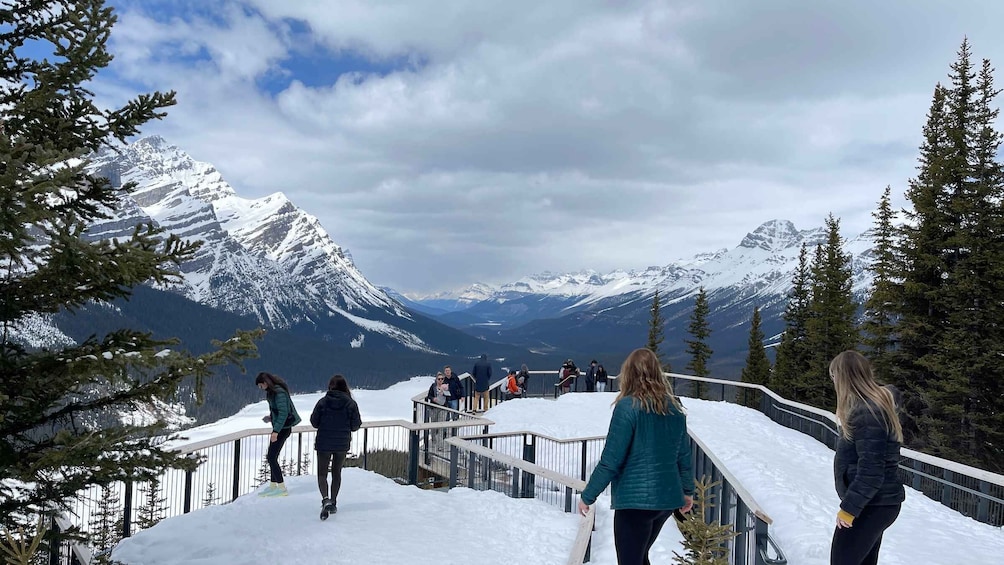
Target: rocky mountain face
<point>609,312</point>
<point>264,258</point>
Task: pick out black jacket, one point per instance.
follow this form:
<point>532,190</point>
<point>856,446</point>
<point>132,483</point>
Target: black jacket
<point>601,374</point>
<point>482,373</point>
<point>456,387</point>
<point>865,468</point>
<point>335,416</point>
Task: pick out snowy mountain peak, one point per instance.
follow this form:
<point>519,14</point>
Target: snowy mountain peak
<point>775,235</point>
<point>261,257</point>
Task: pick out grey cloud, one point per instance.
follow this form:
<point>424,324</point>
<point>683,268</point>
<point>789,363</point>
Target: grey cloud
<point>560,135</point>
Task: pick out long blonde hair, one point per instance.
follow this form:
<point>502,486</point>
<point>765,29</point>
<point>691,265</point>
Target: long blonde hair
<point>855,385</point>
<point>643,381</point>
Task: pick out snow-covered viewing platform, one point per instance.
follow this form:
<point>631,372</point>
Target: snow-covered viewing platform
<point>380,521</point>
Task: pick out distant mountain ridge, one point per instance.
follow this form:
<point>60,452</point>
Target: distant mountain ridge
<point>594,311</point>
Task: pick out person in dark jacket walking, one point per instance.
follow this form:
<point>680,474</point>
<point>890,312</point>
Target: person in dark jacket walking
<point>482,373</point>
<point>865,465</point>
<point>591,376</point>
<point>646,459</point>
<point>283,417</point>
<point>601,378</point>
<point>335,416</point>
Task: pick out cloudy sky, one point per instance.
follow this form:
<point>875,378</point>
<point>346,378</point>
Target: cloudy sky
<point>444,142</point>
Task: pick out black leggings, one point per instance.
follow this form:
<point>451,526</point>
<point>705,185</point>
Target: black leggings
<point>859,544</point>
<point>275,471</point>
<point>336,459</point>
<point>635,532</point>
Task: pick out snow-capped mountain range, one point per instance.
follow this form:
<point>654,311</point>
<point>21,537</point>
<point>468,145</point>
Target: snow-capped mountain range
<point>263,257</point>
<point>594,311</point>
<point>762,264</point>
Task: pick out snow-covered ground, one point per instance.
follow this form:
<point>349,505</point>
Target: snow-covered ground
<point>382,522</point>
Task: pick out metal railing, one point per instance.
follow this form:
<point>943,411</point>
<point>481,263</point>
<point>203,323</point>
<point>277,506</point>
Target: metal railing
<point>525,464</point>
<point>975,493</point>
<point>234,465</point>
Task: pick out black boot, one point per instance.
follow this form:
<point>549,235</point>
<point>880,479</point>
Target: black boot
<point>325,504</point>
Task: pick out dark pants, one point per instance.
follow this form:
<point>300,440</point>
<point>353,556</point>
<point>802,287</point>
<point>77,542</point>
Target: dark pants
<point>275,471</point>
<point>859,544</point>
<point>634,533</point>
<point>332,460</point>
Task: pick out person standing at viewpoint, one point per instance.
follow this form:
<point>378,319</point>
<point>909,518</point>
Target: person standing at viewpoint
<point>482,373</point>
<point>456,389</point>
<point>865,465</point>
<point>336,416</point>
<point>646,459</point>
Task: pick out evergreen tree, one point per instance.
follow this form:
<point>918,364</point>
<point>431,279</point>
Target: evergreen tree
<point>211,497</point>
<point>792,357</point>
<point>656,326</point>
<point>155,506</point>
<point>757,369</point>
<point>918,313</point>
<point>700,352</point>
<point>59,430</point>
<point>886,289</point>
<point>964,419</point>
<point>831,327</point>
<point>105,524</point>
<point>704,543</point>
<point>947,361</point>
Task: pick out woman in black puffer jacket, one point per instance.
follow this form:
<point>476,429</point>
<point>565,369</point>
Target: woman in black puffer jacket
<point>866,461</point>
<point>335,416</point>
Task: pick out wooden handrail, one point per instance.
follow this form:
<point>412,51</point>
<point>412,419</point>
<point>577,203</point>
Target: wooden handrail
<point>582,537</point>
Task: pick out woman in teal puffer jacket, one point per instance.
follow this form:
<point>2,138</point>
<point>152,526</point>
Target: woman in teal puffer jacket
<point>283,417</point>
<point>646,459</point>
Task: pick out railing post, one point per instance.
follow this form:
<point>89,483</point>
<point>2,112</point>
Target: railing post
<point>412,457</point>
<point>946,489</point>
<point>760,534</point>
<point>237,469</point>
<point>582,474</point>
<point>366,441</point>
<point>53,541</point>
<point>127,511</point>
<point>741,528</point>
<point>471,469</point>
<point>568,499</point>
<point>188,492</point>
<point>299,453</point>
<point>983,504</point>
<point>454,465</point>
<point>530,456</point>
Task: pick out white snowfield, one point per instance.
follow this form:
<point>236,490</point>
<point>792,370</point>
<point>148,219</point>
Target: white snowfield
<point>381,522</point>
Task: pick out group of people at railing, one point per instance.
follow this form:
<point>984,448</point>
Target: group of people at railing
<point>595,378</point>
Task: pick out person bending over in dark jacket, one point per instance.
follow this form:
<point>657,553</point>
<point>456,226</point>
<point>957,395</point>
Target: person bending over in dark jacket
<point>335,416</point>
<point>646,459</point>
<point>866,460</point>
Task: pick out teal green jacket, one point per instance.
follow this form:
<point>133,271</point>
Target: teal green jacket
<point>646,460</point>
<point>281,409</point>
